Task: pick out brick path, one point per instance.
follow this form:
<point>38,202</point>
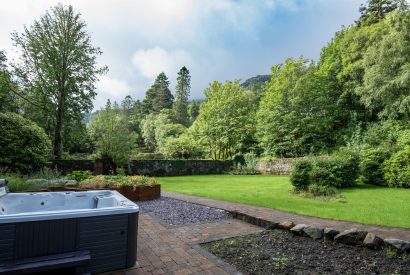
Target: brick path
<point>174,250</point>
<point>273,215</point>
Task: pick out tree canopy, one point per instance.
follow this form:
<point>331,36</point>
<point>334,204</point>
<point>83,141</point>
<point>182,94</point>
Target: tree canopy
<point>57,69</point>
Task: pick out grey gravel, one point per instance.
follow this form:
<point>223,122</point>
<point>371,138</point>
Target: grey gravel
<point>176,212</point>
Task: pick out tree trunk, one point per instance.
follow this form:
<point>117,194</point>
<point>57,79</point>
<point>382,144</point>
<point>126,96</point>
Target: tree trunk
<point>59,126</point>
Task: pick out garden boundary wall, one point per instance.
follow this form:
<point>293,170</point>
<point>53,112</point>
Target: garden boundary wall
<point>282,166</point>
<point>150,167</point>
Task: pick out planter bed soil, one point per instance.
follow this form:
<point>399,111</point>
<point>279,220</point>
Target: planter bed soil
<point>281,252</point>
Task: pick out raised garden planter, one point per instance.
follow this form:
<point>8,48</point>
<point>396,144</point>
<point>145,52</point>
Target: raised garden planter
<point>141,193</point>
<point>136,188</point>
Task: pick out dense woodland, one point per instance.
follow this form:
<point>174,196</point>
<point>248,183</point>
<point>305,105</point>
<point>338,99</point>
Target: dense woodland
<point>357,95</point>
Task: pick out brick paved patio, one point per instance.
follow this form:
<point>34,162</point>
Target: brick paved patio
<point>164,249</point>
<point>174,250</point>
<point>274,215</point>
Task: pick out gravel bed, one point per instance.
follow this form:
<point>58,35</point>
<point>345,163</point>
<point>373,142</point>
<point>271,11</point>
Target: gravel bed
<point>280,252</point>
<point>176,212</point>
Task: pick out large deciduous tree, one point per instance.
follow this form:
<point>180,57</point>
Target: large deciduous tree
<point>7,97</point>
<point>298,113</point>
<point>58,68</point>
<point>181,96</point>
<point>113,140</point>
<point>386,80</point>
<point>226,119</point>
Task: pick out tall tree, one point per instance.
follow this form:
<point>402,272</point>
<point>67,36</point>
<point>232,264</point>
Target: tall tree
<point>386,81</point>
<point>58,64</point>
<point>181,96</point>
<point>158,96</point>
<point>148,101</point>
<point>112,138</point>
<point>298,113</point>
<point>127,105</point>
<point>375,10</point>
<point>193,110</point>
<point>163,97</point>
<point>226,119</point>
<point>7,97</point>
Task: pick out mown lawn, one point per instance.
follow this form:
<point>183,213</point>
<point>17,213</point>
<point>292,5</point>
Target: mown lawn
<point>364,203</point>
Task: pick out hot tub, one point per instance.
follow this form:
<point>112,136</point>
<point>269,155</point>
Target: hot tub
<point>38,224</point>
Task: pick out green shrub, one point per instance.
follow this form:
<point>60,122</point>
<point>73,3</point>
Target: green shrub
<point>322,190</point>
<point>325,173</point>
<point>346,166</point>
<point>79,176</point>
<point>397,169</point>
<point>371,162</point>
<point>384,133</point>
<point>339,170</point>
<point>300,175</point>
<point>182,147</point>
<point>23,144</point>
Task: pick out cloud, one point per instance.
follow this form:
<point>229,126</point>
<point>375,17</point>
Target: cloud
<point>110,88</point>
<point>150,62</point>
<point>215,39</point>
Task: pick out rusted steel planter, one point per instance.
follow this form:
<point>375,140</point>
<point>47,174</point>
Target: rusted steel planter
<point>141,193</point>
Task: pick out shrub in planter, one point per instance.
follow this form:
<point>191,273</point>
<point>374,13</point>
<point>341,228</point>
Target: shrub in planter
<point>300,175</point>
<point>79,176</point>
<point>397,169</point>
<point>371,162</point>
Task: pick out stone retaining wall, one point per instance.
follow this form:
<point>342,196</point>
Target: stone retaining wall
<point>278,166</point>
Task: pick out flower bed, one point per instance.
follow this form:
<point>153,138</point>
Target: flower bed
<point>136,188</point>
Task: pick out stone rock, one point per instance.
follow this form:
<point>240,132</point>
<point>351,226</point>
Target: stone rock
<point>400,245</point>
<point>298,229</point>
<point>287,225</point>
<point>372,241</point>
<point>330,233</point>
<point>351,237</point>
<point>313,232</point>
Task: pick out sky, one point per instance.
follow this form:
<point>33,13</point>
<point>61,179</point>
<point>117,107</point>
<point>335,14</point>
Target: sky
<point>215,39</point>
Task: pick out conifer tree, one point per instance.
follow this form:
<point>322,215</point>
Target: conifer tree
<point>181,96</point>
<point>163,97</point>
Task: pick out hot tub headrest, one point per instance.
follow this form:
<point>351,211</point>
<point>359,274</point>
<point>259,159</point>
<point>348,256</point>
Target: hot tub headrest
<point>104,201</point>
<point>3,182</point>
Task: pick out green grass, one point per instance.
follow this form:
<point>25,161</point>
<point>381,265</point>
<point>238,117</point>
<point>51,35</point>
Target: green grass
<point>364,203</point>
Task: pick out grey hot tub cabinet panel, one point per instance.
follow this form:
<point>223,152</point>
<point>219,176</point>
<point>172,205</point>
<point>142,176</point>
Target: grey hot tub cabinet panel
<point>111,240</point>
